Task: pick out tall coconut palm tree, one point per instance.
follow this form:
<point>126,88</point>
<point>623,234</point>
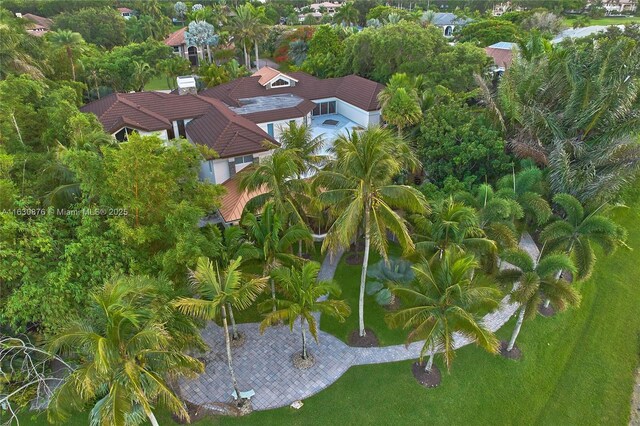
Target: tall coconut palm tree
<point>577,231</point>
<point>305,147</point>
<point>280,174</point>
<point>534,282</point>
<point>271,233</point>
<point>242,27</point>
<point>446,298</point>
<point>217,288</point>
<point>234,245</point>
<point>360,191</point>
<point>347,14</point>
<point>451,225</point>
<point>302,296</point>
<point>69,41</point>
<point>128,346</point>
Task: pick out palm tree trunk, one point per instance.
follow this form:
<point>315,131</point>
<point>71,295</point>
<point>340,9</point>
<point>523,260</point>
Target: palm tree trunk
<point>304,339</point>
<point>273,293</point>
<point>233,323</point>
<point>247,62</point>
<point>73,67</point>
<point>363,277</point>
<point>516,330</point>
<point>429,365</point>
<point>227,341</point>
<point>255,44</point>
<point>152,418</point>
<point>209,53</point>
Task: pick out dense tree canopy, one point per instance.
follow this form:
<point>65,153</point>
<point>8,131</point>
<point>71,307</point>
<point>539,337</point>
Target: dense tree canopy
<point>109,33</point>
<point>489,31</point>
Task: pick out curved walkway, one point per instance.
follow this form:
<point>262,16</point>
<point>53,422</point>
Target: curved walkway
<point>263,362</point>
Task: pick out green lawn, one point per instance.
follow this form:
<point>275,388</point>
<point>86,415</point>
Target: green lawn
<point>157,83</point>
<point>577,369</point>
<point>348,277</point>
<point>607,21</point>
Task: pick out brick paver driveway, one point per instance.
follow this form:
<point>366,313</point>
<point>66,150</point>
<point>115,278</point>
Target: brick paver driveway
<point>263,363</point>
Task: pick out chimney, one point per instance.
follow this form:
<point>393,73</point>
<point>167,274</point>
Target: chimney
<point>186,85</point>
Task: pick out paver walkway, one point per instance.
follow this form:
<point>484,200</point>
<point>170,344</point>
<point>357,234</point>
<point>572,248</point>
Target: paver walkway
<point>263,362</point>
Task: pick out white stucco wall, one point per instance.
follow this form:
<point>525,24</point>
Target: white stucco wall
<point>354,113</point>
<point>217,171</point>
<point>278,126</point>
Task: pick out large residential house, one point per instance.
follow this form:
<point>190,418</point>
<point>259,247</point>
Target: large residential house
<point>243,120</point>
<point>125,12</point>
<point>38,25</point>
<point>618,7</point>
<point>448,22</point>
<point>177,41</point>
<point>328,7</point>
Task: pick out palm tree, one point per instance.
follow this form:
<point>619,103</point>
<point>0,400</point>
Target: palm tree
<point>233,245</point>
<point>70,41</point>
<point>243,27</point>
<point>271,233</point>
<point>279,174</point>
<point>127,346</point>
<point>360,191</point>
<point>445,298</point>
<point>216,289</point>
<point>495,214</point>
<point>15,45</point>
<point>298,51</point>
<point>575,234</point>
<point>400,103</point>
<point>302,297</point>
<point>142,73</point>
<point>306,148</point>
<point>525,188</point>
<point>451,225</point>
<point>347,14</point>
<point>535,282</point>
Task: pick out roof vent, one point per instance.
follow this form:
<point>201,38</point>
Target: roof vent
<point>186,85</point>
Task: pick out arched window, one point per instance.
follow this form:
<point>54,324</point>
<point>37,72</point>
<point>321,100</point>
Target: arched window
<point>193,55</point>
<point>448,31</point>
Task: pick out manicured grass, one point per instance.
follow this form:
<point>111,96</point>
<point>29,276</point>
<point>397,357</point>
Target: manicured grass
<point>157,83</point>
<point>577,368</point>
<point>607,21</point>
<point>348,277</point>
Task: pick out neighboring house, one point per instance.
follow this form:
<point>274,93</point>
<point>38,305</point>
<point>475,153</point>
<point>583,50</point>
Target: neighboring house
<point>502,54</point>
<point>328,7</point>
<point>501,8</point>
<point>177,41</point>
<point>237,118</point>
<point>316,15</point>
<point>39,25</point>
<point>582,32</point>
<point>448,22</point>
<point>618,7</point>
<point>126,12</point>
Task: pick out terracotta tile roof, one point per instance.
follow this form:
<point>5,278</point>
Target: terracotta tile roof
<point>266,74</point>
<point>118,108</point>
<point>124,10</point>
<point>353,89</point>
<point>501,57</point>
<point>234,201</point>
<point>39,20</point>
<point>229,134</point>
<point>176,38</point>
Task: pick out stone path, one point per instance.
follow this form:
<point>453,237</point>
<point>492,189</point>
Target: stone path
<point>263,362</point>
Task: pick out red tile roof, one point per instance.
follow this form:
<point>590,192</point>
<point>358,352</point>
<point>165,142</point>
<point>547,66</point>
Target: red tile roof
<point>124,10</point>
<point>39,20</point>
<point>176,38</point>
<point>235,199</point>
<point>353,89</point>
<point>228,133</point>
<point>501,57</point>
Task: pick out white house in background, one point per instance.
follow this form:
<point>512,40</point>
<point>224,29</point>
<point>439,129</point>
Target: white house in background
<point>329,7</point>
<point>501,8</point>
<point>237,118</point>
<point>125,12</point>
<point>448,22</point>
<point>618,7</point>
